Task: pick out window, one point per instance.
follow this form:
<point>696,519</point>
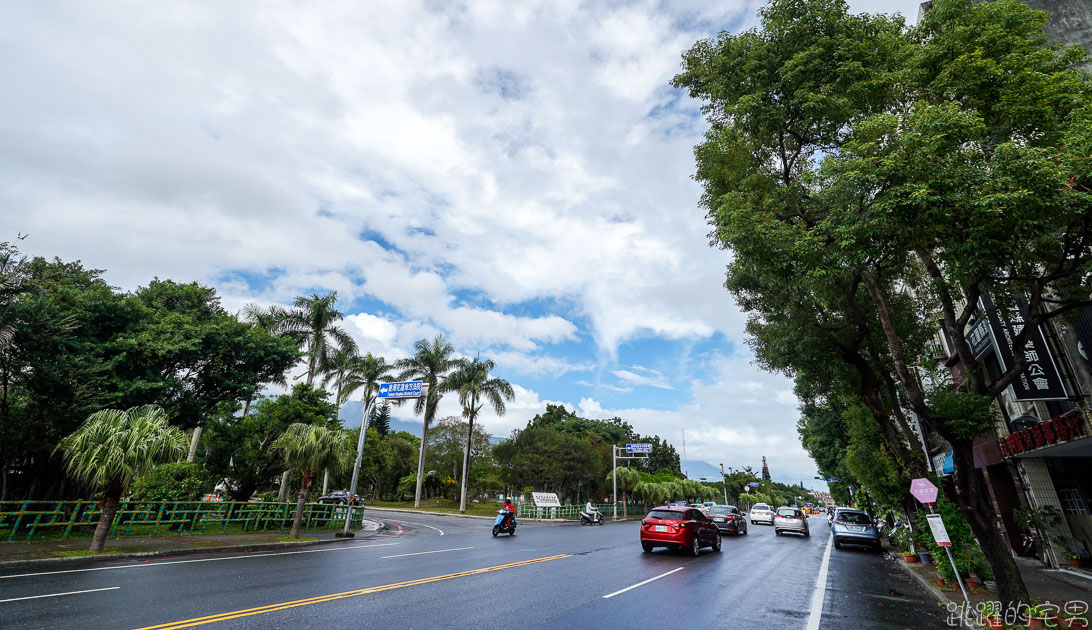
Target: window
<point>854,518</point>
<point>1072,501</point>
<point>666,515</point>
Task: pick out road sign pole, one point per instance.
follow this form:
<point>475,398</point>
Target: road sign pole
<point>345,533</point>
<point>614,453</point>
<point>959,579</point>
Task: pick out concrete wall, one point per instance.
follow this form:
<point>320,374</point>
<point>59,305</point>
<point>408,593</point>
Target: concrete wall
<point>1070,22</point>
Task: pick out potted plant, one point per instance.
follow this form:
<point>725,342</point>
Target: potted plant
<point>922,546</point>
<point>1074,558</point>
<point>1039,614</point>
<point>991,616</point>
<point>971,582</point>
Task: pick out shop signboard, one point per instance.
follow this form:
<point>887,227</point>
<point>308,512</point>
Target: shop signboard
<point>1040,380</point>
<point>1060,429</point>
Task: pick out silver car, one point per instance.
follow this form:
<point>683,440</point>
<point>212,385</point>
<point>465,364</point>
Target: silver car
<point>790,519</point>
<point>762,513</point>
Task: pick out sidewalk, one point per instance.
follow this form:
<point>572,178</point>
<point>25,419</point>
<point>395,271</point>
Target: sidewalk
<point>1044,584</point>
<point>16,554</point>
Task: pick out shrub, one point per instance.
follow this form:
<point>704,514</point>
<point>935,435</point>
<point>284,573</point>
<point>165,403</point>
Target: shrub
<point>172,482</point>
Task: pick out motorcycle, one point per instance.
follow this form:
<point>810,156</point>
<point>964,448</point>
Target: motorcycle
<point>504,525</point>
<point>1027,545</point>
<point>594,518</point>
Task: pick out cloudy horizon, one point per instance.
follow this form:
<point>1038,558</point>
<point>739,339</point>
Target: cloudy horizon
<point>516,177</point>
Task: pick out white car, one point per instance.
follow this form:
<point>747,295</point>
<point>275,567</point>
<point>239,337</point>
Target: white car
<point>762,513</point>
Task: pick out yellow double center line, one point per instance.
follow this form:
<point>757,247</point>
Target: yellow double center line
<point>198,621</point>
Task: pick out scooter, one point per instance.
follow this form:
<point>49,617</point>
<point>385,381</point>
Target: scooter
<point>500,526</point>
<point>595,518</point>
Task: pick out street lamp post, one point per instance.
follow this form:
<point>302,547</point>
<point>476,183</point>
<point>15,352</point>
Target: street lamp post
<point>724,484</point>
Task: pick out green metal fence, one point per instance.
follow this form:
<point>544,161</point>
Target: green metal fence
<point>529,510</point>
<point>26,520</point>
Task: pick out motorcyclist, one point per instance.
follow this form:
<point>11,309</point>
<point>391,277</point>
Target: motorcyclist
<point>511,512</point>
<point>590,512</point>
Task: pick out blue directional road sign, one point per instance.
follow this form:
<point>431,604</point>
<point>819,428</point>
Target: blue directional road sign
<point>753,484</point>
<point>638,448</point>
<point>405,389</point>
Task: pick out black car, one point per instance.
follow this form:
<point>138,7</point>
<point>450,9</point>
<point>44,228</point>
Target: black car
<point>340,497</point>
<point>728,519</point>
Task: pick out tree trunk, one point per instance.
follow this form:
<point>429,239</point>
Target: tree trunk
<point>282,494</point>
<point>111,501</point>
<point>301,501</point>
<point>466,460</point>
<point>194,441</point>
<point>974,502</point>
<point>325,480</point>
<point>625,505</point>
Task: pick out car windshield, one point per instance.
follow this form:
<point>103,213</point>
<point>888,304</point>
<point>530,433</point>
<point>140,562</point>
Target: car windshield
<point>788,512</point>
<point>666,515</point>
<point>760,506</point>
<point>720,509</point>
<point>855,518</point>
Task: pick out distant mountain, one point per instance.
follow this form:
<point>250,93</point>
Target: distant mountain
<point>353,411</point>
<point>699,469</point>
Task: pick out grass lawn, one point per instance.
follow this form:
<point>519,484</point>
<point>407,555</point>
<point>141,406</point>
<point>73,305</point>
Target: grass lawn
<point>441,505</point>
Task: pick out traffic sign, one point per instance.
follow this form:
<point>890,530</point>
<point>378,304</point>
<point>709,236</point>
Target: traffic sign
<point>638,448</point>
<point>753,484</point>
<point>923,490</point>
<point>404,389</point>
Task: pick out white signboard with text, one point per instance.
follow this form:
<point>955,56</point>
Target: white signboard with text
<point>546,499</point>
<point>936,525</point>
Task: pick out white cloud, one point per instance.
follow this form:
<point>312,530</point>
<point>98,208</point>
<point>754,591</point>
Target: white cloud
<point>643,376</point>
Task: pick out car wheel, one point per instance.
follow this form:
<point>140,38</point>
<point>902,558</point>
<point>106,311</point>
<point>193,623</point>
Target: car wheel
<point>647,547</point>
<point>837,545</point>
<point>807,534</point>
<point>695,545</point>
<point>717,543</point>
<point>777,532</point>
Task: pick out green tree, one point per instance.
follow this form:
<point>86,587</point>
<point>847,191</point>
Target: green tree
<point>313,321</point>
<point>431,363</point>
<point>113,448</point>
<point>850,158</point>
<point>309,448</point>
<point>185,481</point>
<point>765,470</point>
<point>627,479</point>
<point>475,387</point>
<point>381,419</point>
<point>240,446</point>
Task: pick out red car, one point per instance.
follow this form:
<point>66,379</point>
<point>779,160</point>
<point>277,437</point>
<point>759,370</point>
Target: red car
<point>679,527</point>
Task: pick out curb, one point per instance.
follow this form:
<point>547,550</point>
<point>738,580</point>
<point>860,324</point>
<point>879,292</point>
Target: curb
<point>167,553</point>
<point>931,589</point>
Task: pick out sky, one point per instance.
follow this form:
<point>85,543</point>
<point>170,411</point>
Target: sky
<point>513,176</point>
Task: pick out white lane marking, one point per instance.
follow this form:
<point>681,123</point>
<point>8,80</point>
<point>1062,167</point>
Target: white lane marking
<point>398,520</point>
<point>820,593</point>
<point>159,564</point>
<point>90,590</point>
<point>421,553</point>
<point>630,588</point>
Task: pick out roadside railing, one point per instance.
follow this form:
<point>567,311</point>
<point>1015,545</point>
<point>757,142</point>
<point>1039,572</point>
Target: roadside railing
<point>59,520</point>
<point>529,510</point>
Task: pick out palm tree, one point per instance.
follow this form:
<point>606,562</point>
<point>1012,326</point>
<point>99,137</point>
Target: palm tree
<point>430,363</point>
<point>113,447</point>
<point>310,448</point>
<point>312,321</point>
<point>471,379</point>
<point>628,480</point>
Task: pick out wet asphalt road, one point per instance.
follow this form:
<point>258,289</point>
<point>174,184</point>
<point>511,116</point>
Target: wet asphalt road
<point>447,572</point>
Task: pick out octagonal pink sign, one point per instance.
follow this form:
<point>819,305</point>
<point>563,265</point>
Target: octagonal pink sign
<point>923,490</point>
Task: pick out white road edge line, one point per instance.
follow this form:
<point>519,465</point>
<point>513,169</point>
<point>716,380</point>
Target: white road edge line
<point>90,590</point>
<point>630,588</point>
<point>819,596</point>
<point>159,564</point>
<point>421,553</point>
<point>398,520</point>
